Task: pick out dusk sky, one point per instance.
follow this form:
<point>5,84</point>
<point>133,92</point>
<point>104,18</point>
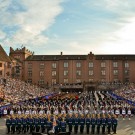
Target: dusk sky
<point>70,26</point>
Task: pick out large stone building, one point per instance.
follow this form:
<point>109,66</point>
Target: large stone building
<point>52,69</point>
<point>79,68</point>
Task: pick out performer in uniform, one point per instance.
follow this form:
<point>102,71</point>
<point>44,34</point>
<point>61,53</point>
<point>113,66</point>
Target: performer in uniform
<point>13,124</point>
<point>42,123</point>
<point>19,123</point>
<point>123,113</point>
<point>82,123</point>
<point>36,123</point>
<point>63,125</point>
<point>88,121</point>
<point>109,124</point>
<point>117,112</point>
<point>103,123</point>
<point>8,124</point>
<point>49,125</point>
<point>98,123</point>
<point>76,123</point>
<point>70,122</point>
<point>114,123</point>
<point>24,124</point>
<point>93,123</point>
<point>129,113</point>
<point>31,123</point>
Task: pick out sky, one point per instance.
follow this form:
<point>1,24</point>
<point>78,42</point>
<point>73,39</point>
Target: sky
<point>68,26</point>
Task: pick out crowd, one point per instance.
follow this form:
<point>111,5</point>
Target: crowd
<point>127,92</point>
<point>64,111</point>
<point>13,91</point>
<point>91,105</point>
<point>80,114</point>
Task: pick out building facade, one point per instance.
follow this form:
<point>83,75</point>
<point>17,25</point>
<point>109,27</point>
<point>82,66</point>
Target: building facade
<point>18,58</point>
<point>5,67</point>
<point>53,69</point>
<point>64,69</point>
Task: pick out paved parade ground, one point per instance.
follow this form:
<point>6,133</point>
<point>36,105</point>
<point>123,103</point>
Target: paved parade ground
<point>125,127</point>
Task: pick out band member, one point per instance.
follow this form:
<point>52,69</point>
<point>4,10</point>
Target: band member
<point>42,123</point>
<point>114,124</point>
<point>31,122</point>
<point>36,123</point>
<point>112,110</point>
<point>117,112</point>
<point>88,122</point>
<point>109,124</point>
<point>49,125</point>
<point>8,124</point>
<point>56,124</point>
<point>56,112</point>
<point>103,110</point>
<point>19,123</point>
<point>123,113</point>
<point>24,124</point>
<point>19,112</point>
<point>13,124</point>
<point>41,112</point>
<point>98,123</point>
<point>103,123</point>
<point>63,125</point>
<point>76,123</point>
<point>129,113</point>
<point>93,123</point>
<point>70,122</point>
<point>82,123</point>
<point>5,112</point>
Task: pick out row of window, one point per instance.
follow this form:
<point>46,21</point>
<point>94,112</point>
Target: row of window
<point>78,73</point>
<point>78,65</point>
<point>54,81</point>
<point>41,73</point>
<point>41,81</point>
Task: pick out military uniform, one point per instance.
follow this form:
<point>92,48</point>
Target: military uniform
<point>37,123</point>
<point>82,123</point>
<point>49,125</point>
<point>114,124</point>
<point>109,124</point>
<point>28,124</point>
<point>63,125</point>
<point>93,123</point>
<point>13,124</point>
<point>24,124</point>
<point>19,123</point>
<point>31,124</point>
<point>8,124</point>
<point>88,122</point>
<point>98,123</point>
<point>76,124</point>
<point>103,123</point>
<point>70,123</point>
<point>57,125</point>
<point>43,121</point>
